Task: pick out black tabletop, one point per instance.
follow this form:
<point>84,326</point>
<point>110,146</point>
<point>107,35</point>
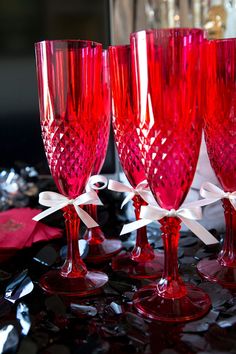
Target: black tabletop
<point>107,323</point>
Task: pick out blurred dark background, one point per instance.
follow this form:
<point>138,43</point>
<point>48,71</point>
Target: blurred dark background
<point>22,23</point>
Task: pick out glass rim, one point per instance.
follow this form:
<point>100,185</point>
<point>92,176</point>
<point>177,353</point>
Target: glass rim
<point>119,46</point>
<point>221,40</point>
<point>82,41</point>
<point>171,29</point>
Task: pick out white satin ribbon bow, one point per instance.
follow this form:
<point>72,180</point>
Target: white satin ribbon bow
<point>141,190</point>
<point>188,213</point>
<point>58,201</point>
<point>94,181</point>
<point>212,194</point>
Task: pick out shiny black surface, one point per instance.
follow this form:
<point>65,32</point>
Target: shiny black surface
<point>107,322</point>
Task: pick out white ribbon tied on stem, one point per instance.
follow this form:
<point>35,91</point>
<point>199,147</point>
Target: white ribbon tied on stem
<point>213,193</point>
<point>188,214</point>
<point>58,201</point>
<point>141,190</point>
<point>96,182</point>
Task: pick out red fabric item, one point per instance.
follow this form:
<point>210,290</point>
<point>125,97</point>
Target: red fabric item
<point>18,230</point>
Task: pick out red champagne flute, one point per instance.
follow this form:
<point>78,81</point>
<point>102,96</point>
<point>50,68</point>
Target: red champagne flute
<point>68,73</point>
<point>100,248</point>
<point>143,261</point>
<point>220,132</point>
<point>167,73</point>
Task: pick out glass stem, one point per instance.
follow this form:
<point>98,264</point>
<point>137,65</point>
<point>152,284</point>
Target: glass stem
<point>142,250</point>
<point>227,256</point>
<point>73,266</point>
<point>95,235</point>
<point>171,285</point>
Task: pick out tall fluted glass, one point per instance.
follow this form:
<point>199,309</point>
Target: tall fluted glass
<point>167,78</point>
<point>143,261</point>
<point>220,134</point>
<point>68,73</point>
<point>101,248</point>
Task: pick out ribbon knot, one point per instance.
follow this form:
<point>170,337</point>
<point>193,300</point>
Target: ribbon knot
<point>172,213</point>
<point>188,214</point>
<point>71,201</point>
<point>56,201</point>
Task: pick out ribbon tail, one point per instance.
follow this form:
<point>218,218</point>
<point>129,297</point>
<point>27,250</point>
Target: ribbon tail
<point>201,202</point>
<point>49,211</point>
<point>210,190</point>
<point>200,231</point>
<point>94,201</point>
<point>118,186</point>
<point>135,225</point>
<point>85,217</point>
<point>127,199</point>
<point>147,197</point>
<point>233,203</point>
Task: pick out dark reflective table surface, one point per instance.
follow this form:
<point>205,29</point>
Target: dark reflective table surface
<point>34,322</point>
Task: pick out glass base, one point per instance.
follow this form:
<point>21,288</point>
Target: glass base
<point>195,304</point>
<point>52,282</point>
<point>213,271</point>
<point>151,269</point>
<point>103,251</point>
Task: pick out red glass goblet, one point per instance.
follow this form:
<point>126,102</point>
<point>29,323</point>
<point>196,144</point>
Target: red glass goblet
<point>220,132</point>
<point>167,71</point>
<point>101,248</point>
<point>68,73</point>
<point>143,261</point>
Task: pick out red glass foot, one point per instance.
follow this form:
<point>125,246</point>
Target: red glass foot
<point>150,269</point>
<point>149,303</point>
<point>103,251</point>
<point>212,270</point>
<point>222,268</point>
<point>92,282</point>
